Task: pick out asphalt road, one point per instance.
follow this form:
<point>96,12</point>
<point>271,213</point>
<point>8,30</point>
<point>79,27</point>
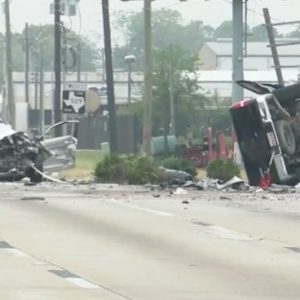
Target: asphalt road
<point>82,243</point>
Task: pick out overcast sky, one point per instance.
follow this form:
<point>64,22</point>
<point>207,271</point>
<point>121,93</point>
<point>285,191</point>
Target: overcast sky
<point>211,12</point>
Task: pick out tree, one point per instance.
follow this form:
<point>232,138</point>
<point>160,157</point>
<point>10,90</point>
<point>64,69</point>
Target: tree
<point>295,33</point>
<point>45,35</point>
<point>188,99</point>
<point>259,34</point>
<point>167,27</point>
<point>224,30</point>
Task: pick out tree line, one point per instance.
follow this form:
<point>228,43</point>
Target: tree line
<point>43,36</point>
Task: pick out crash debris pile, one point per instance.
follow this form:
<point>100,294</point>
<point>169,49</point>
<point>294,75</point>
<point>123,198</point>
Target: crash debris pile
<point>17,153</point>
<point>180,182</point>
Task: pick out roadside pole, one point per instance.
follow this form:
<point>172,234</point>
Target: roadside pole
<point>79,61</point>
<point>109,79</point>
<point>171,91</point>
<point>26,63</point>
<point>147,117</point>
<point>26,67</point>
<point>9,68</point>
<point>237,49</point>
<point>36,77</point>
<point>42,110</point>
<point>57,67</point>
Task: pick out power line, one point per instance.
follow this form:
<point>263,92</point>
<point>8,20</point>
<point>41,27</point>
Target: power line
<point>258,13</point>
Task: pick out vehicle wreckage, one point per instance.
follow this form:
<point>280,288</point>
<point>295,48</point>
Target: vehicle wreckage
<point>22,156</point>
<point>268,133</point>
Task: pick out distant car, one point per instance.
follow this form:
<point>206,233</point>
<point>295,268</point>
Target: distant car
<point>19,152</point>
<point>268,133</point>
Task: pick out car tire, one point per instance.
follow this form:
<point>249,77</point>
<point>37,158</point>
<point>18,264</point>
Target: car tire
<point>32,174</point>
<point>286,137</point>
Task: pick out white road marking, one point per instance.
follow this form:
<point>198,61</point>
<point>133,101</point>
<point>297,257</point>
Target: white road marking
<point>15,252</point>
<point>157,212</point>
<point>229,234</point>
<point>219,231</point>
<point>82,283</point>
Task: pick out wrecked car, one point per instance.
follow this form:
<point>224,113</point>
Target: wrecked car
<point>268,133</point>
<point>22,156</point>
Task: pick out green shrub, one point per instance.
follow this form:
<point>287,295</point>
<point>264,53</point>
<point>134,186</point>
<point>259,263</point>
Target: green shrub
<point>222,169</point>
<point>112,168</point>
<point>142,170</point>
<point>179,163</point>
<point>127,169</point>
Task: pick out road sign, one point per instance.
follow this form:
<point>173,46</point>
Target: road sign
<point>73,102</point>
<point>76,86</point>
<point>67,7</point>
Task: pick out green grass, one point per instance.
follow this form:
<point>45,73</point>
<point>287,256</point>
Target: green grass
<point>86,161</point>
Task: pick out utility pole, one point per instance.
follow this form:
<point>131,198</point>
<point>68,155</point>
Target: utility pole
<point>41,111</point>
<point>4,83</point>
<point>26,63</point>
<point>129,83</point>
<point>237,49</point>
<point>109,79</point>
<point>270,32</point>
<point>9,67</point>
<point>147,117</point>
<point>57,67</point>
<point>79,61</point>
<point>171,91</point>
<point>36,77</point>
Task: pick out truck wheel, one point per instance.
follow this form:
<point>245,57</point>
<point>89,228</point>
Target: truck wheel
<point>32,174</point>
<point>286,137</point>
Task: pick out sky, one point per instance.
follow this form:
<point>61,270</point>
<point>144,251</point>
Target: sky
<point>212,12</point>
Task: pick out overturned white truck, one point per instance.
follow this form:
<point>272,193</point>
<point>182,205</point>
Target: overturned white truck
<point>268,132</point>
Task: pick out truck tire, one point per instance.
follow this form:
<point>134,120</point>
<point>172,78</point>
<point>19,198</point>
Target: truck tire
<point>286,137</point>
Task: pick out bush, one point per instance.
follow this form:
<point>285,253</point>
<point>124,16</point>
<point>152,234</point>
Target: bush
<point>179,163</point>
<point>222,169</point>
<point>127,169</point>
<point>112,168</point>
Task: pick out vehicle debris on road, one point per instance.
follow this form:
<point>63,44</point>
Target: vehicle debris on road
<point>175,176</point>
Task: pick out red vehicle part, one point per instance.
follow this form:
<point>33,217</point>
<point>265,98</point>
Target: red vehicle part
<point>221,145</point>
<point>265,181</point>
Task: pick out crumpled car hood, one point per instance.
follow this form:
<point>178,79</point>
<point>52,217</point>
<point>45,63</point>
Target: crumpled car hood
<point>5,131</point>
<point>19,152</point>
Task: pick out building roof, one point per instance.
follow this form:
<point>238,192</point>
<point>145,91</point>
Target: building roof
<point>221,48</point>
<point>225,76</point>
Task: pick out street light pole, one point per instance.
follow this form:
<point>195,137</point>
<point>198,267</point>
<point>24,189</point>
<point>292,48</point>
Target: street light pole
<point>129,83</point>
<point>129,59</point>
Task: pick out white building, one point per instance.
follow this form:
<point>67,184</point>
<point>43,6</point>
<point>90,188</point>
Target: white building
<point>92,79</point>
<point>218,83</point>
<point>218,56</point>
